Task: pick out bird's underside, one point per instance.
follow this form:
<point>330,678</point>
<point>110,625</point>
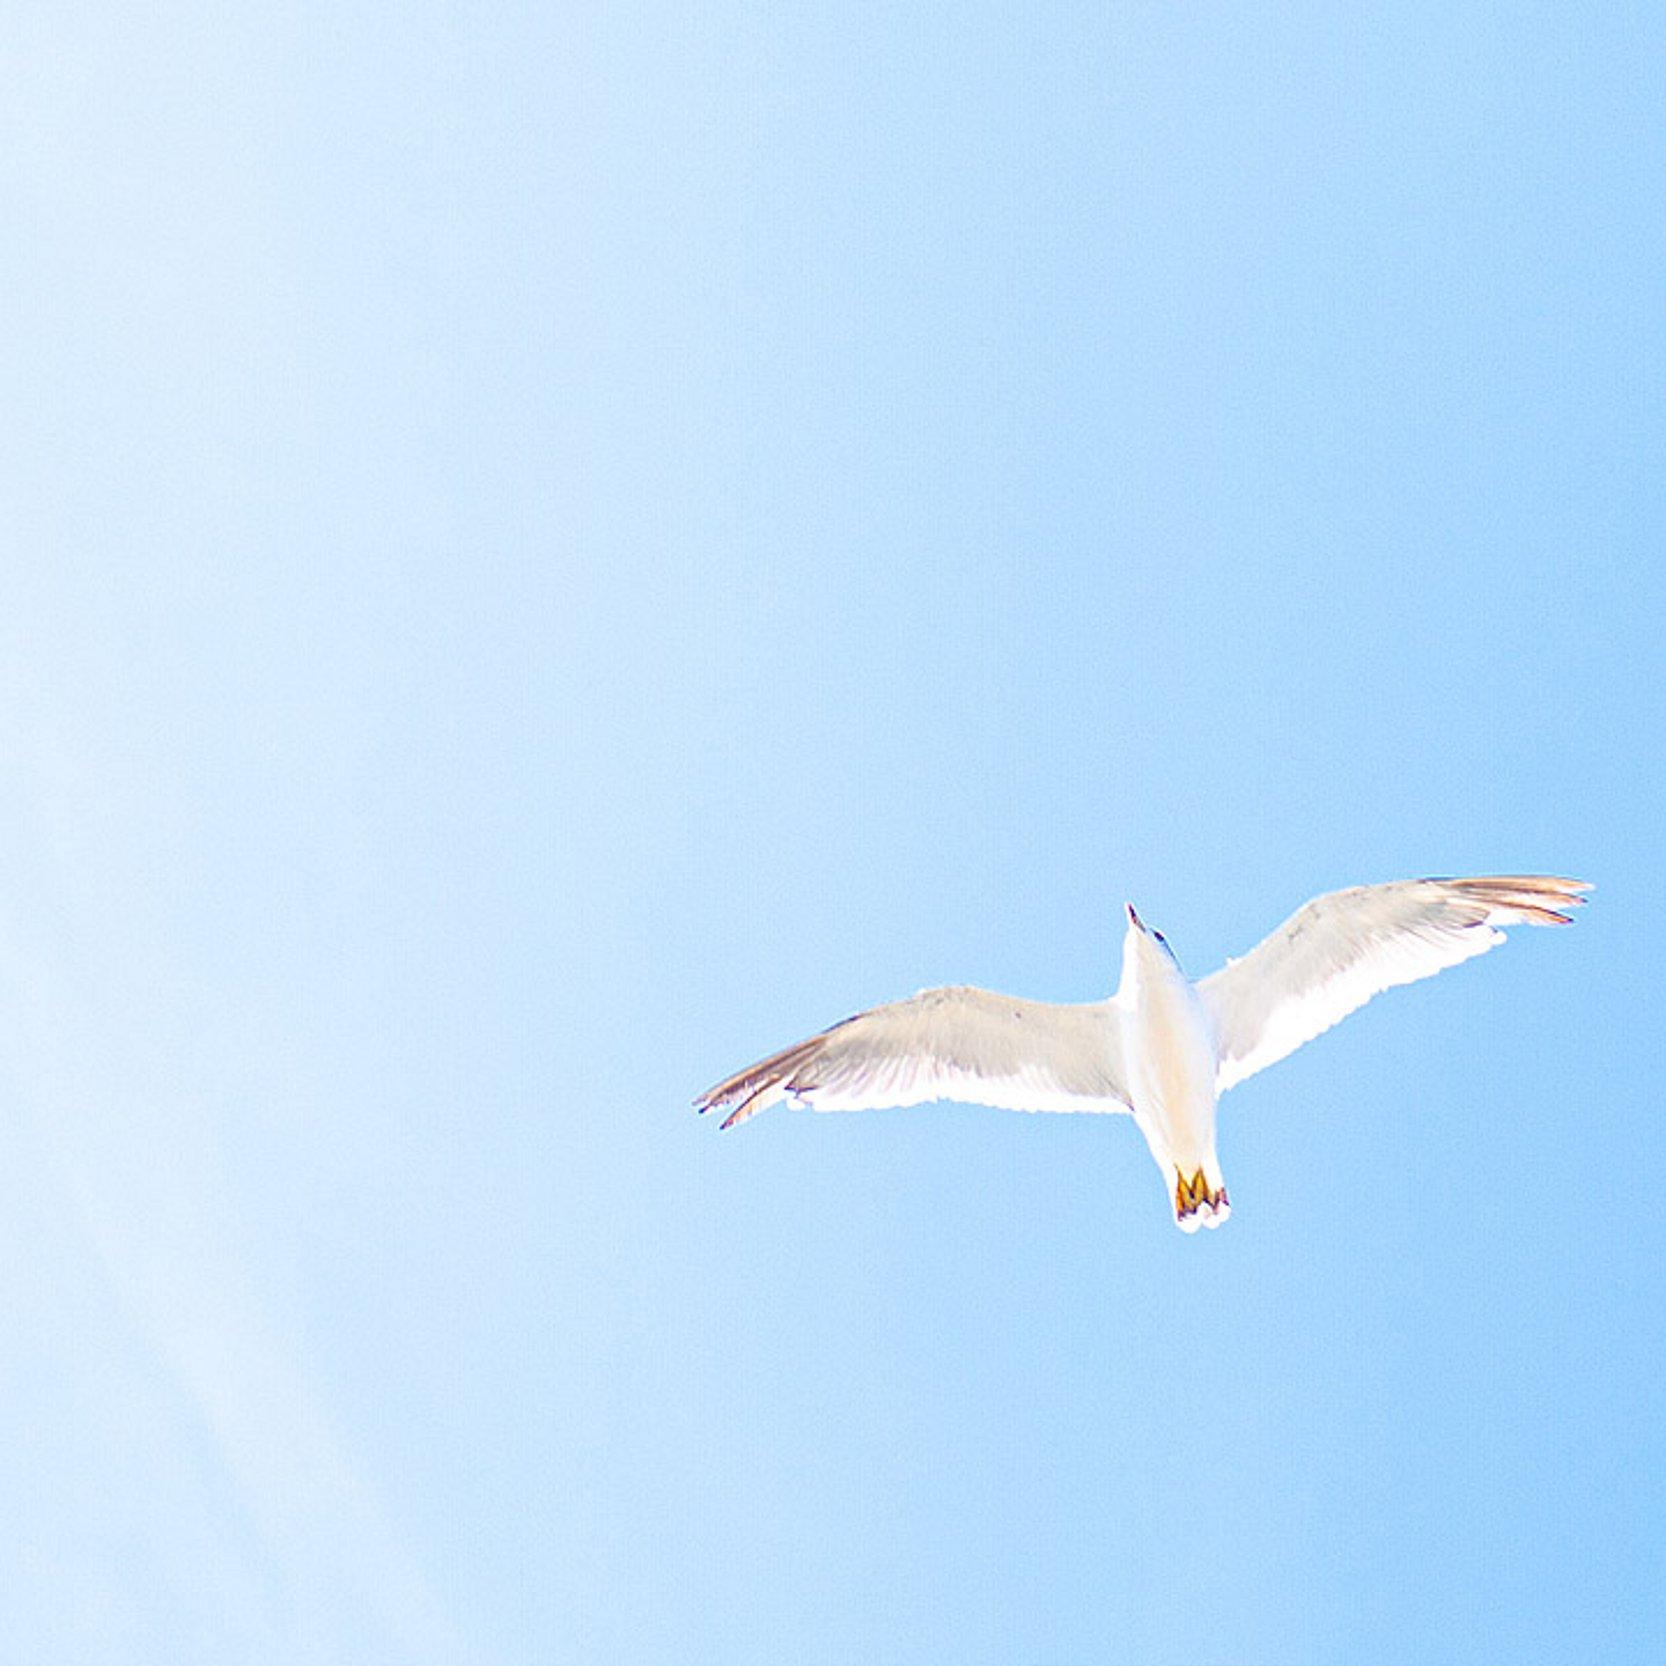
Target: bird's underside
<point>1162,1047</point>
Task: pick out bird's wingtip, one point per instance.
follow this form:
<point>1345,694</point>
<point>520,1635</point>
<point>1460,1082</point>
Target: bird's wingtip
<point>1518,899</point>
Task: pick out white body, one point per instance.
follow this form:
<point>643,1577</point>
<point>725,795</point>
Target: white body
<point>1162,1047</point>
<point>1169,1054</point>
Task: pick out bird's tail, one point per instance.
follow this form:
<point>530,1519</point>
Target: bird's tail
<point>1198,1201</point>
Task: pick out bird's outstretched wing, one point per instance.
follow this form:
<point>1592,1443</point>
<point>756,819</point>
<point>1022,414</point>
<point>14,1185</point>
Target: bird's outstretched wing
<point>967,1044</point>
<point>1332,955</point>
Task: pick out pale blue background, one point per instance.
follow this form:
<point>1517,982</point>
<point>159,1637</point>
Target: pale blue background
<point>551,551</point>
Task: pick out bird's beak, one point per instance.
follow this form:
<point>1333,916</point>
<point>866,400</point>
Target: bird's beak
<point>1133,919</point>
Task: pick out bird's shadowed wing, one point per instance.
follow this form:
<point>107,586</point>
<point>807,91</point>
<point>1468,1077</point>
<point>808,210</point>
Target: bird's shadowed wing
<point>1332,955</point>
<point>966,1044</point>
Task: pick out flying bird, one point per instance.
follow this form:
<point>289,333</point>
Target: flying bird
<point>1162,1047</point>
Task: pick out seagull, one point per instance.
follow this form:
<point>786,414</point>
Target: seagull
<point>1162,1047</point>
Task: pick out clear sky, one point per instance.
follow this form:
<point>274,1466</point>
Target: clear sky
<point>551,550</point>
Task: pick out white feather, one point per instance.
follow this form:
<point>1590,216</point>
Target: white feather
<point>961,1043</point>
<point>1331,956</point>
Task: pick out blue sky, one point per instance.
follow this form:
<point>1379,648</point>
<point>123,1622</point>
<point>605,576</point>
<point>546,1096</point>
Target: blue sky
<point>551,551</point>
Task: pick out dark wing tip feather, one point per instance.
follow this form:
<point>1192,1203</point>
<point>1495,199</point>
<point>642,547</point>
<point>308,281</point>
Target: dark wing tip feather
<point>759,1085</point>
<point>748,1108</point>
<point>1538,899</point>
<point>1542,882</point>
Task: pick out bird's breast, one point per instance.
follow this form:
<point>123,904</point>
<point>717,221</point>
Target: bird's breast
<point>1171,1059</point>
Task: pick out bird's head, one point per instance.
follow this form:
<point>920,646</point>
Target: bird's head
<point>1143,947</point>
